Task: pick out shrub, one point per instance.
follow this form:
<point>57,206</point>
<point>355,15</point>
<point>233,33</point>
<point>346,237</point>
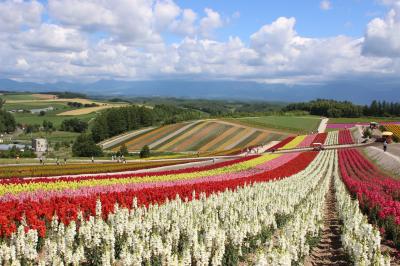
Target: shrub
<point>84,146</point>
<point>145,152</point>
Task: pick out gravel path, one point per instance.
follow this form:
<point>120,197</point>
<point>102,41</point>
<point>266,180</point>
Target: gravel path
<point>386,160</point>
<point>322,125</point>
<point>329,251</point>
<point>118,139</point>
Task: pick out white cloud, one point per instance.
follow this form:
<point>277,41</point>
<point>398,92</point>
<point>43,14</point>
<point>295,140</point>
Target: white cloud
<point>186,25</point>
<point>209,23</point>
<point>127,20</point>
<point>325,5</point>
<point>15,14</point>
<point>382,37</point>
<point>97,39</point>
<point>165,13</point>
<point>50,37</point>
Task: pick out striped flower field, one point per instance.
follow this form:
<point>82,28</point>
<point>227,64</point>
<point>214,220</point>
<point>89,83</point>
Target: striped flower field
<point>208,215</point>
<point>203,136</point>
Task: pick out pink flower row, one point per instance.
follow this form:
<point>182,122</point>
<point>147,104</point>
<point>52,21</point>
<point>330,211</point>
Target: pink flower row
<point>87,191</point>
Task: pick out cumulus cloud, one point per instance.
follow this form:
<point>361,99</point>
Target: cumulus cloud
<point>165,13</point>
<point>96,39</point>
<point>127,20</point>
<point>211,22</point>
<point>50,37</point>
<point>186,24</point>
<point>382,37</point>
<point>325,5</point>
<point>15,14</point>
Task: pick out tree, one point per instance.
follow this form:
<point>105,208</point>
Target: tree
<point>123,150</point>
<point>145,152</point>
<point>7,121</point>
<point>74,125</point>
<point>100,128</point>
<point>84,146</point>
<point>48,126</point>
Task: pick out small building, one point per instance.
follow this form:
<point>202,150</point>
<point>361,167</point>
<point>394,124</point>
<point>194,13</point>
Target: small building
<point>39,145</point>
<point>373,125</point>
<point>37,111</point>
<point>6,147</point>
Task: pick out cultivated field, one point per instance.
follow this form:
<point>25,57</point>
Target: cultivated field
<point>294,124</point>
<point>61,109</point>
<point>199,136</point>
<point>230,210</point>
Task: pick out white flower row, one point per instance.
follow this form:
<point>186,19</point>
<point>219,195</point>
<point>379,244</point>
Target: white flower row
<point>360,239</point>
<point>202,231</point>
<point>290,244</point>
<point>332,138</point>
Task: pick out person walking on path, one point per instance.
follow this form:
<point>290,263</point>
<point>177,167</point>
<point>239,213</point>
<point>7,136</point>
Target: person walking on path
<point>40,160</point>
<point>58,161</point>
<point>65,160</point>
<point>92,159</point>
<point>385,145</point>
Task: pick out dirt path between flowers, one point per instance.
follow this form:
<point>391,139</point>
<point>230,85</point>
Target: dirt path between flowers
<point>329,250</point>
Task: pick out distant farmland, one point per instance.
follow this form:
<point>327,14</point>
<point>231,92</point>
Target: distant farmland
<point>202,136</point>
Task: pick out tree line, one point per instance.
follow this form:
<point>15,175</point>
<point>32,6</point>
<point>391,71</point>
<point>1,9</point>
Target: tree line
<point>333,108</point>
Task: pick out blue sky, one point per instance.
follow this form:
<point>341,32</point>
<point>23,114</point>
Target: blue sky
<point>348,17</point>
<point>288,42</point>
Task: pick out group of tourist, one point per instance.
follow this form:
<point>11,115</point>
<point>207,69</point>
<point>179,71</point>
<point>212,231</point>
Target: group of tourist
<point>119,159</point>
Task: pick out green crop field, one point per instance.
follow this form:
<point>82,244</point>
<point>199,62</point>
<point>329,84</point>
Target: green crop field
<point>294,124</point>
<point>30,119</point>
<point>58,106</point>
<point>58,136</point>
<point>19,97</point>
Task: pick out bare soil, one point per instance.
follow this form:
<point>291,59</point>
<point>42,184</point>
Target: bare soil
<point>329,250</point>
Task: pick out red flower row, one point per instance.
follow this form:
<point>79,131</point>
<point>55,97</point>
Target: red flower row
<point>38,214</point>
<point>320,138</point>
<point>345,137</point>
<point>375,191</point>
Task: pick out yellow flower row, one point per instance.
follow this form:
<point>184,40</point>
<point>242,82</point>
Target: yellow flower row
<point>295,142</point>
<point>62,185</point>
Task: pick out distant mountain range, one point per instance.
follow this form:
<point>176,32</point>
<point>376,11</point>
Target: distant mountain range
<point>361,92</point>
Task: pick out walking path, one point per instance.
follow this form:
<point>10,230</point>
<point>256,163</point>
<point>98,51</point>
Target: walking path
<point>386,161</point>
<point>120,138</point>
<point>329,250</point>
<point>322,125</point>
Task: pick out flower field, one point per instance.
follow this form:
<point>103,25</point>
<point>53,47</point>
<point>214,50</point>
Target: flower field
<point>353,124</point>
<point>208,215</point>
<point>341,137</point>
<point>377,193</point>
<point>302,141</point>
<point>84,168</point>
<point>393,128</point>
<point>203,136</point>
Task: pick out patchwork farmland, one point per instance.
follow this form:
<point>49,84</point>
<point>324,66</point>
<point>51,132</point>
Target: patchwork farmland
<point>197,136</point>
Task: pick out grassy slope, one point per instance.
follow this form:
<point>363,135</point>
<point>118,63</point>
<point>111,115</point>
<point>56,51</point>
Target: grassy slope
<point>293,124</point>
<point>19,97</point>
